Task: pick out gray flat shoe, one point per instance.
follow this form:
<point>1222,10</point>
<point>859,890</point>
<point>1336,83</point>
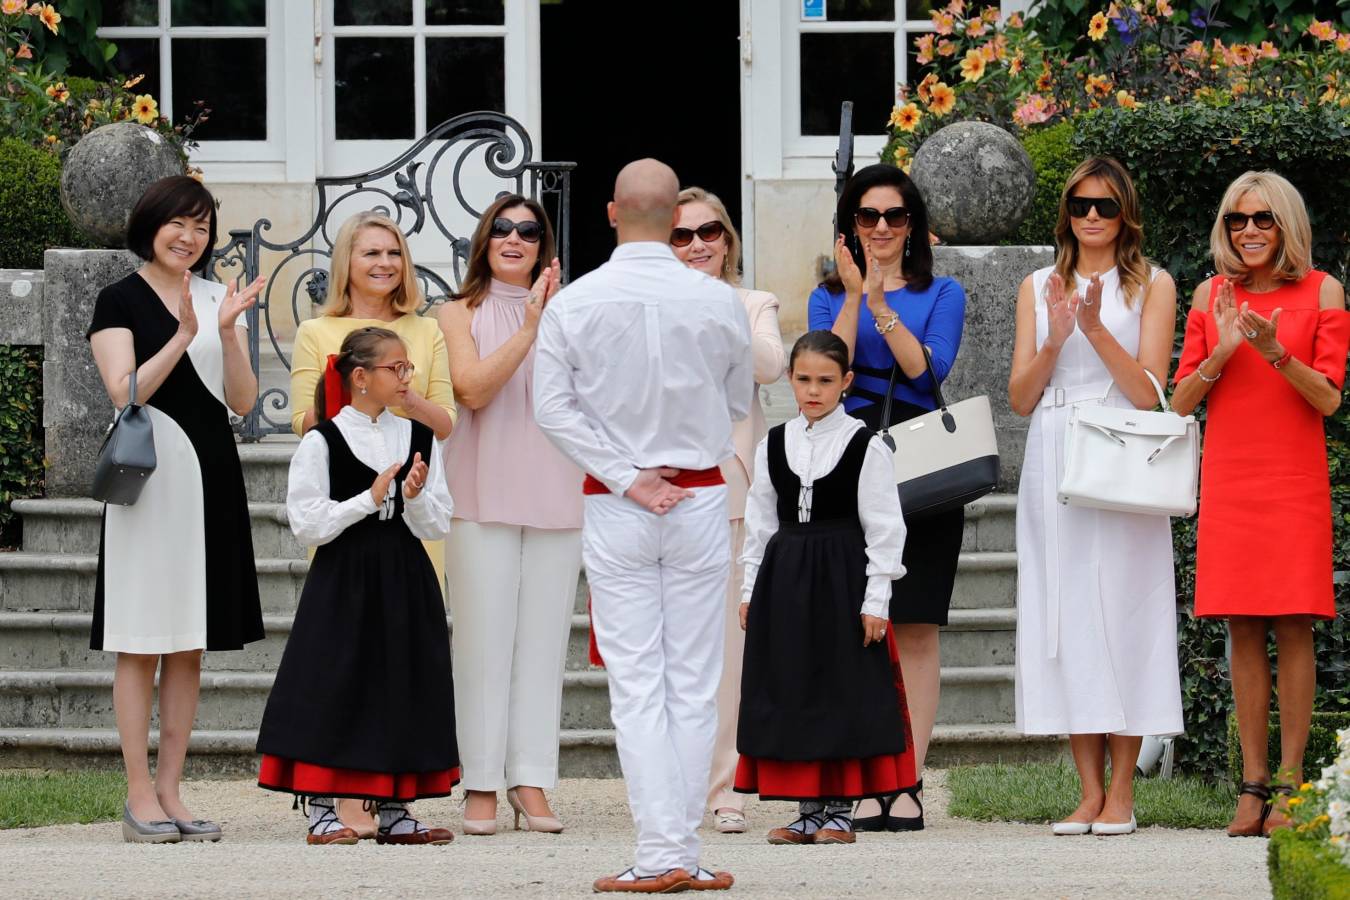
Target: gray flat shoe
<point>198,830</point>
<point>134,831</point>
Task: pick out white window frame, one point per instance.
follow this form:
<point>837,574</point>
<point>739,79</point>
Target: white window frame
<point>274,148</point>
<point>519,32</point>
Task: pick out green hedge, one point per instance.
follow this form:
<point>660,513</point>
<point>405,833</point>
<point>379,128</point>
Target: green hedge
<point>1054,157</point>
<point>1305,868</point>
<point>1321,744</point>
<point>1182,158</point>
<point>31,216</point>
<point>21,464</point>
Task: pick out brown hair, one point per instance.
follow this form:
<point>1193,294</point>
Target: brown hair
<point>1293,259</point>
<point>478,276</point>
<point>826,343</point>
<point>407,297</point>
<point>1131,266</point>
<point>359,350</point>
<point>731,263</point>
<point>917,265</point>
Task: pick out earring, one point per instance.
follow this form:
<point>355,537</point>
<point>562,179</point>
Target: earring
<point>363,392</point>
<point>907,245</point>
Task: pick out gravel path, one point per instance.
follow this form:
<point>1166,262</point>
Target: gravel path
<point>263,856</point>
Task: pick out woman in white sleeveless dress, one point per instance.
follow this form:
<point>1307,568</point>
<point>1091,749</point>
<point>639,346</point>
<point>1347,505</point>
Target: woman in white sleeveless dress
<point>1096,601</point>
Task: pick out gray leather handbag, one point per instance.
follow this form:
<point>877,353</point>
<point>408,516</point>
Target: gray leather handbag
<point>127,457</point>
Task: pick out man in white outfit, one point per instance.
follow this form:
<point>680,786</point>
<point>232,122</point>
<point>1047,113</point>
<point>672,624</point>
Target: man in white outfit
<point>640,368</point>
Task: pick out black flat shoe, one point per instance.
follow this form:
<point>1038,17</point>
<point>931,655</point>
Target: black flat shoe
<point>906,823</point>
<point>877,822</point>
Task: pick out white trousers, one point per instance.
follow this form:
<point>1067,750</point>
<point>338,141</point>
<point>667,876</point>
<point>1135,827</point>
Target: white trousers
<point>725,758</point>
<point>512,593</point>
<point>658,587</point>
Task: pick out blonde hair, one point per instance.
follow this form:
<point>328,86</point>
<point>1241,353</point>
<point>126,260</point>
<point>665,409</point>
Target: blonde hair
<point>731,263</point>
<point>1293,258</point>
<point>407,297</point>
<point>1132,268</point>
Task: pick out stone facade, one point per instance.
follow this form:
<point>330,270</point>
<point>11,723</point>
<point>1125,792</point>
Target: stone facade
<point>21,292</point>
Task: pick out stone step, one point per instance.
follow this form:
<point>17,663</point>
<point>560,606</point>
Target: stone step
<point>231,699</point>
<point>584,753</point>
<point>266,465</point>
<point>74,526</point>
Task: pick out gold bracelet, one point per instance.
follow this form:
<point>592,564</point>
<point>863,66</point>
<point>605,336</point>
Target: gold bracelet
<point>890,326</point>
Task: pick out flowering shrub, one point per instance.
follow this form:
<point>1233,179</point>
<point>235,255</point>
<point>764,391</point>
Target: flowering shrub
<point>1140,52</point>
<point>45,110</point>
<point>1312,860</point>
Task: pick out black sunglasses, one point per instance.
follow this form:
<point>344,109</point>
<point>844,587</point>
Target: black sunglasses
<point>529,230</point>
<point>896,217</point>
<point>1264,220</point>
<point>707,233</point>
<point>1107,208</point>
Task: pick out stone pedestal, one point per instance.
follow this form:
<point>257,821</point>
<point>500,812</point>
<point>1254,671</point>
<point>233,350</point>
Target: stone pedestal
<point>991,276</point>
<point>76,410</point>
<point>21,293</point>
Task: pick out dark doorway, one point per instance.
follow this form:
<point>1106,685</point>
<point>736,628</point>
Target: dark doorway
<point>623,80</point>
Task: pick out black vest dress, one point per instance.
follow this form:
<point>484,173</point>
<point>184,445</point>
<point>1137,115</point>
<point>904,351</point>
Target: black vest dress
<point>365,680</point>
<point>810,690</point>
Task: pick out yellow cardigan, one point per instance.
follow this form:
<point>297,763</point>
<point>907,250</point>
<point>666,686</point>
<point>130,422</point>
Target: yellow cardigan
<point>317,338</point>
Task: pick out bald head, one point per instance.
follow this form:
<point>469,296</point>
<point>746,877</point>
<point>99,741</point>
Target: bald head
<point>644,201</point>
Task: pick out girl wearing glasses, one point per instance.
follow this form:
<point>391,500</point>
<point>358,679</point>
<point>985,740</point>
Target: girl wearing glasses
<point>1096,599</point>
<point>372,282</point>
<point>704,238</point>
<point>885,303</point>
<point>362,706</point>
<point>514,556</point>
<point>1266,342</point>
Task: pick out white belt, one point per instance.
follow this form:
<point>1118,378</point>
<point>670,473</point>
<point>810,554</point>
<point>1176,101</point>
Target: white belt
<point>1056,401</point>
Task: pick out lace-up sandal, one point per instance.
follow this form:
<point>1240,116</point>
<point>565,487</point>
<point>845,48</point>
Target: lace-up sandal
<point>802,831</point>
<point>324,826</point>
<point>879,821</point>
<point>630,882</point>
<point>708,880</point>
<point>905,823</point>
<point>837,828</point>
<point>1254,827</point>
<point>398,827</point>
<point>1277,812</point>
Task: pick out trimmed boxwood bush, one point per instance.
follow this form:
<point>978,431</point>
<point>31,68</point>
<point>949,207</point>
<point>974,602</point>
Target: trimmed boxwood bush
<point>1054,156</point>
<point>1305,868</point>
<point>21,468</point>
<point>1182,159</point>
<point>31,217</point>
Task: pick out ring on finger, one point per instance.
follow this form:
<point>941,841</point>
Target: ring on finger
<point>1252,333</point>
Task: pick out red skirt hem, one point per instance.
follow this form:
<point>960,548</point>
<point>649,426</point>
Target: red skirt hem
<point>295,777</point>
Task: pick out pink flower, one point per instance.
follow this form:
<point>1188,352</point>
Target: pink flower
<point>12,7</point>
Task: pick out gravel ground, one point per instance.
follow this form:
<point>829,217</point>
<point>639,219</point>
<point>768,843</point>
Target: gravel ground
<point>263,855</point>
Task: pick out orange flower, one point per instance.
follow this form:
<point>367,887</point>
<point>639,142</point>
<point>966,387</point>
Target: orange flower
<point>58,92</point>
<point>925,48</point>
<point>145,110</point>
<point>1196,50</point>
<point>925,87</point>
<point>51,139</point>
<point>956,7</point>
<point>976,28</point>
<point>1268,50</point>
<point>12,7</point>
<point>50,17</point>
<point>1244,54</point>
<point>1097,27</point>
<point>1126,100</point>
<point>943,22</point>
<point>132,82</point>
<point>901,151</point>
<point>972,67</point>
<point>24,52</point>
<point>1015,65</point>
<point>1323,31</point>
<point>1098,85</point>
<point>1343,42</point>
<point>944,100</point>
<point>1046,80</point>
<point>1015,20</point>
<point>989,51</point>
<point>906,117</point>
<point>1164,8</point>
<point>946,47</point>
<point>990,14</point>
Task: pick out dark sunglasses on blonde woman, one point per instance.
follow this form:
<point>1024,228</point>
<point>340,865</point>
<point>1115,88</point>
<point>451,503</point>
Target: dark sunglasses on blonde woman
<point>1264,220</point>
<point>896,217</point>
<point>707,233</point>
<point>529,230</point>
<point>1107,208</point>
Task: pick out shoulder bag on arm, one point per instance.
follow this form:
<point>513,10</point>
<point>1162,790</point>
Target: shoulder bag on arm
<point>127,457</point>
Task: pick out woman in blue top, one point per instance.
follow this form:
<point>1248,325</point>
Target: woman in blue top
<point>886,317</point>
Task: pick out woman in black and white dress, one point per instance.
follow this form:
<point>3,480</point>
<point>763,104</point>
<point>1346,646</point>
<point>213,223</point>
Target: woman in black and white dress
<point>175,570</point>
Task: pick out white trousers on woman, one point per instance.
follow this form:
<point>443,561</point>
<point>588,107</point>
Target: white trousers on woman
<point>725,758</point>
<point>658,586</point>
<point>512,593</point>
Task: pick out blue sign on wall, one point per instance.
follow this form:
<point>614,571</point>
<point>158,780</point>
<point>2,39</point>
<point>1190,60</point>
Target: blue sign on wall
<point>813,10</point>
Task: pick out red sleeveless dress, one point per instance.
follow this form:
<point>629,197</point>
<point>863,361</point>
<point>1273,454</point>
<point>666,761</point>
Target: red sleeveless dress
<point>1263,546</point>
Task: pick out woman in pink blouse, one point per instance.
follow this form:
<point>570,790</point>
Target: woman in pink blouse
<point>705,239</point>
<point>514,553</point>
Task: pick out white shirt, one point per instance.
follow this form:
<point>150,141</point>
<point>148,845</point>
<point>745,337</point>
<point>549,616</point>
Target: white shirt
<point>643,363</point>
<point>316,519</point>
<point>812,452</point>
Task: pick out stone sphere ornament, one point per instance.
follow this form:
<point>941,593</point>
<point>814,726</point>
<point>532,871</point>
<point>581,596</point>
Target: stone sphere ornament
<point>977,181</point>
<point>106,172</point>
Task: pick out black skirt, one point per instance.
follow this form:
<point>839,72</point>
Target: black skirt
<point>932,545</point>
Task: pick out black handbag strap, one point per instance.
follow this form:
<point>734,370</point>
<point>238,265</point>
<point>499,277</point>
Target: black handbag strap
<point>938,401</point>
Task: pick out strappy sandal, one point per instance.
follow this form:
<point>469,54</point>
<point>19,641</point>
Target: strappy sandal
<point>836,829</point>
<point>320,833</point>
<point>877,822</point>
<point>1275,819</point>
<point>906,823</point>
<point>1260,790</point>
<point>792,834</point>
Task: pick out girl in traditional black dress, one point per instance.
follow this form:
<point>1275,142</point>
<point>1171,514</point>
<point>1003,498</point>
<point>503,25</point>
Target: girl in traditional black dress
<point>822,718</point>
<point>363,704</point>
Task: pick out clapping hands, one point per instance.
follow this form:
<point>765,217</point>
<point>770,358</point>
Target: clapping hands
<point>1062,311</point>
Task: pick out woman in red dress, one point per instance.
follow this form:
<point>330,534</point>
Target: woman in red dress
<point>1266,344</point>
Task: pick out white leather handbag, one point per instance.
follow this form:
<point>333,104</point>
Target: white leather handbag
<point>1131,460</point>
